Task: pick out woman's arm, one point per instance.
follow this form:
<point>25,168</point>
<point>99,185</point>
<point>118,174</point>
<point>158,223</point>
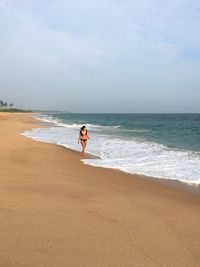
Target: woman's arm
<point>79,137</point>
<point>88,136</point>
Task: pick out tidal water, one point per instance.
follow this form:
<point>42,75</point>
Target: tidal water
<point>159,145</point>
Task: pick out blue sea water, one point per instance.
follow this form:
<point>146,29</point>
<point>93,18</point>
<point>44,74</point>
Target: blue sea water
<point>159,145</point>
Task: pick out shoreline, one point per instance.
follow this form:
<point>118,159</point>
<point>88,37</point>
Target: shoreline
<point>57,211</point>
<point>171,183</point>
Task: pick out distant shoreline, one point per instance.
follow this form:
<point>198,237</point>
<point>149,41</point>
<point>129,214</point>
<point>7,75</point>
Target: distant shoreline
<point>15,110</point>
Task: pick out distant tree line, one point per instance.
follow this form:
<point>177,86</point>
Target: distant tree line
<point>5,104</point>
<point>6,107</point>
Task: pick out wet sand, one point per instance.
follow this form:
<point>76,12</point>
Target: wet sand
<point>56,211</point>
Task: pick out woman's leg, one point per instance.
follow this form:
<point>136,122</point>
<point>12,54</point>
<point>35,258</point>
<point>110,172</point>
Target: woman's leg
<point>83,146</point>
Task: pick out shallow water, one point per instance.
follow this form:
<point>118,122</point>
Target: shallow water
<point>159,145</point>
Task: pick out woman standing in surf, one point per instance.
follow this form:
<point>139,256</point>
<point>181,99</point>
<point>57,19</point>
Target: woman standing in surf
<point>83,137</point>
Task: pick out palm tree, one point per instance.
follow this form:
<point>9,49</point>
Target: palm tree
<point>1,103</point>
<point>11,105</point>
<point>5,104</point>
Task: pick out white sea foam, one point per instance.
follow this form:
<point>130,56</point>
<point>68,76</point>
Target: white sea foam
<point>56,122</point>
<point>135,130</point>
<point>128,155</point>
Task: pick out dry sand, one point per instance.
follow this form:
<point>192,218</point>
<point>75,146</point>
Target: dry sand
<point>56,211</point>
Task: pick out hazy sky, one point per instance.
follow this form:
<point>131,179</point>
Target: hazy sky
<point>101,55</point>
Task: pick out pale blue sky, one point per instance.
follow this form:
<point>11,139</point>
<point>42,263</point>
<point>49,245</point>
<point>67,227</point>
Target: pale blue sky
<point>101,56</point>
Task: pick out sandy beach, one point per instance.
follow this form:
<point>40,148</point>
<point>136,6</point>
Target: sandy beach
<point>57,212</point>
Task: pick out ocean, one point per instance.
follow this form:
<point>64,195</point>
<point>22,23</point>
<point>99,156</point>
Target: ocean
<point>160,145</point>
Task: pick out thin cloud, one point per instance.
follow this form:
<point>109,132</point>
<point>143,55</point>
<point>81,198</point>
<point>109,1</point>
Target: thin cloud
<point>2,3</point>
<point>148,46</point>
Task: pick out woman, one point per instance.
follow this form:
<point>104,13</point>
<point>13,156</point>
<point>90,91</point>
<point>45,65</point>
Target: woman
<point>83,137</point>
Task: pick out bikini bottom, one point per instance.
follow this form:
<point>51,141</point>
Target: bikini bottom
<point>84,140</point>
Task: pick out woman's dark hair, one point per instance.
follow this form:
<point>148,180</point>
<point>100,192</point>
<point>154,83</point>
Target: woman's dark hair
<point>83,127</point>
